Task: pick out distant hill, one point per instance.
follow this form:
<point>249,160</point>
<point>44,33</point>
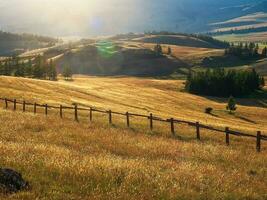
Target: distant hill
<point>189,40</point>
<point>12,44</point>
<point>105,58</point>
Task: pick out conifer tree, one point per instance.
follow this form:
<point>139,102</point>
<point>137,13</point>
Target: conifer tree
<point>231,104</point>
<point>67,72</point>
<point>264,52</point>
<point>52,72</point>
<point>169,51</point>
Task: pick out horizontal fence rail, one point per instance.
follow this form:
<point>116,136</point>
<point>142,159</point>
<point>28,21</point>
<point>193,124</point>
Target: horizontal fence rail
<point>172,121</point>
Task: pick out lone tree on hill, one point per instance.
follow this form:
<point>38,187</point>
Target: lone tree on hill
<point>67,72</point>
<point>231,104</point>
<point>264,52</point>
<point>169,51</point>
<point>51,71</point>
<point>158,49</point>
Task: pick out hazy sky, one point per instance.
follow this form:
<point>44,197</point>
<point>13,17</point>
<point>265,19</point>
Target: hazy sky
<point>98,17</point>
<point>70,17</point>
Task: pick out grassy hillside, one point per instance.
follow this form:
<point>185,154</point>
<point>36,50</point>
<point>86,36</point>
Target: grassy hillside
<point>108,58</point>
<point>13,44</point>
<point>69,160</point>
<point>161,97</point>
<point>175,40</point>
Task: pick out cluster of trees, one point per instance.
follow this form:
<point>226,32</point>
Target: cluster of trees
<point>33,68</point>
<point>159,51</point>
<point>239,31</point>
<point>245,50</point>
<point>222,83</point>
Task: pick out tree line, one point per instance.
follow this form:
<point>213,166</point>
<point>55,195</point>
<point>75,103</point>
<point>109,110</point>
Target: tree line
<point>222,83</point>
<point>246,50</point>
<point>32,68</point>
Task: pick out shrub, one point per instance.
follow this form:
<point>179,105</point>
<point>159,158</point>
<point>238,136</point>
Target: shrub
<point>208,110</point>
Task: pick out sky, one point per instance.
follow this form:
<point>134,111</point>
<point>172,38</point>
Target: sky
<point>64,18</point>
<point>70,17</point>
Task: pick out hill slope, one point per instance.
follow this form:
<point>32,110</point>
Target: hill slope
<point>161,97</point>
<point>13,44</point>
<point>69,160</point>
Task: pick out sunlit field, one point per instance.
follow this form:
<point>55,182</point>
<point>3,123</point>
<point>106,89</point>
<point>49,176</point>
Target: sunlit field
<point>64,159</point>
<point>164,98</point>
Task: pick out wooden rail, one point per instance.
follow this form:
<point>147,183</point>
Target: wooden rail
<point>227,131</point>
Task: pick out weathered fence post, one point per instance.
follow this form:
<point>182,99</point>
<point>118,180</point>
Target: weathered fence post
<point>61,111</point>
<point>258,144</point>
<point>227,138</point>
<point>198,130</point>
<point>24,106</point>
<point>110,116</point>
<point>6,103</point>
<point>91,114</point>
<point>172,126</point>
<point>151,121</point>
<point>76,112</point>
<point>15,104</point>
<point>46,109</point>
<point>34,108</point>
<point>128,119</point>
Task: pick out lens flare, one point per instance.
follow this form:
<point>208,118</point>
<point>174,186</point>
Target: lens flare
<point>106,49</point>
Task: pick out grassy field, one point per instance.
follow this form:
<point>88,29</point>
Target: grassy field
<point>63,159</point>
<point>189,55</point>
<point>250,37</point>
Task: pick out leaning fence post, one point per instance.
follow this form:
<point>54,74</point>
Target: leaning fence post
<point>46,109</point>
<point>24,106</point>
<point>61,111</point>
<point>34,109</point>
<point>258,144</point>
<point>6,103</point>
<point>110,116</point>
<point>15,104</point>
<point>76,112</point>
<point>198,130</point>
<point>172,126</point>
<point>128,119</point>
<point>151,121</point>
<point>227,138</point>
<point>91,114</point>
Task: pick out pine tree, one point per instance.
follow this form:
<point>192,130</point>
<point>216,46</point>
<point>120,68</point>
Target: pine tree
<point>67,72</point>
<point>158,49</point>
<point>231,104</point>
<point>52,72</point>
<point>264,52</point>
<point>169,51</point>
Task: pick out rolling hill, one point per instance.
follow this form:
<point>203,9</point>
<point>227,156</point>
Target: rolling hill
<point>14,44</point>
<point>64,159</point>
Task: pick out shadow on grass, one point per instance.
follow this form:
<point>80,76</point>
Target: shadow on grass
<point>257,99</point>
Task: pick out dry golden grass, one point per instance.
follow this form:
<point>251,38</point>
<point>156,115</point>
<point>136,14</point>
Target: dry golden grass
<point>189,55</point>
<point>63,159</point>
<point>250,37</point>
<point>137,95</point>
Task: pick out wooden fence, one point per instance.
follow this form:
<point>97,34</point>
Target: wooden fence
<point>227,131</point>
